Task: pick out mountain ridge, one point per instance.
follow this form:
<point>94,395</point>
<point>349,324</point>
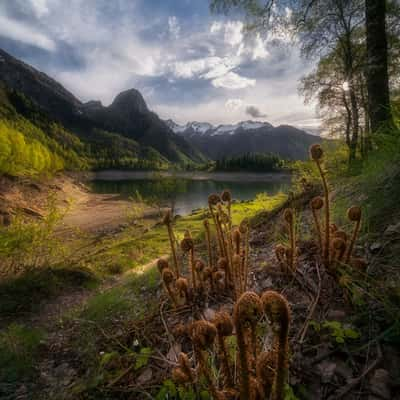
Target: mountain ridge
<point>127,116</point>
<point>231,140</point>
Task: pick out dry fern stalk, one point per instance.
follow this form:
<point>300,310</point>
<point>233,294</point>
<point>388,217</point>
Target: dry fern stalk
<point>317,154</point>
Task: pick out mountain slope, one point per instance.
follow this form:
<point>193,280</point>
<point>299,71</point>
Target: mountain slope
<point>127,118</point>
<point>246,137</point>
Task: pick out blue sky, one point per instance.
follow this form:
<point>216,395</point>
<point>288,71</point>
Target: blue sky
<point>188,64</point>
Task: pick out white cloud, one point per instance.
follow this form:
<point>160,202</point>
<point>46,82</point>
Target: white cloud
<point>233,81</point>
<point>24,33</point>
<point>116,53</point>
<point>40,7</point>
<point>233,104</point>
<point>216,27</point>
<point>233,33</point>
<point>259,50</point>
<point>174,27</point>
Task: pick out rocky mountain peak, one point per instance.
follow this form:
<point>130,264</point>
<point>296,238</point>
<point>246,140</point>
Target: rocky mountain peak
<point>128,101</point>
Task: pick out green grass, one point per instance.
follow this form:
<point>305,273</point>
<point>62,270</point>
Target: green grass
<point>19,348</point>
<point>24,293</point>
<point>138,246</point>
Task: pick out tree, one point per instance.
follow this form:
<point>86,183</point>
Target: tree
<point>323,24</point>
<point>377,65</point>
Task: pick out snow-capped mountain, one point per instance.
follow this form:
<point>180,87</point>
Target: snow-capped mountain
<point>245,137</point>
<point>205,128</point>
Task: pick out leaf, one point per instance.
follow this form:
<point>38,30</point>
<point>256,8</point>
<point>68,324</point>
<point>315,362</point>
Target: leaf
<point>204,395</point>
<point>289,394</point>
<point>340,339</point>
<point>143,357</point>
<point>107,357</point>
<point>351,333</point>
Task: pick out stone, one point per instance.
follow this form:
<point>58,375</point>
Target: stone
<point>145,376</point>
<point>392,229</point>
<point>336,315</point>
<point>174,352</point>
<point>379,385</point>
<point>326,370</point>
<point>375,247</point>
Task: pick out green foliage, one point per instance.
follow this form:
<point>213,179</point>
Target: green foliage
<point>289,393</point>
<point>172,392</point>
<point>337,330</point>
<point>143,357</point>
<point>21,155</point>
<point>250,162</point>
<point>19,347</point>
<point>104,306</point>
<point>30,244</point>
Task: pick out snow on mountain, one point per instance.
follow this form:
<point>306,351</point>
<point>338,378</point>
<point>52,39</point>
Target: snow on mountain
<point>206,128</point>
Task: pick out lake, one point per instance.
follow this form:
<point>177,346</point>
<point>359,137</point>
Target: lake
<point>187,190</point>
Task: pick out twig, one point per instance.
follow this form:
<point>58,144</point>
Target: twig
<point>169,335</point>
<point>314,305</point>
<point>339,394</point>
<point>120,376</point>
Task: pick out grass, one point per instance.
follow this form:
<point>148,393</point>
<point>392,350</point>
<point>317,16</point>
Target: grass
<point>137,246</point>
<point>24,293</point>
<point>19,347</point>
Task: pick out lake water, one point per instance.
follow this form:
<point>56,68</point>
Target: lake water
<point>187,190</point>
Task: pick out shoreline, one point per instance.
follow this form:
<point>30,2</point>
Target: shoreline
<point>120,175</point>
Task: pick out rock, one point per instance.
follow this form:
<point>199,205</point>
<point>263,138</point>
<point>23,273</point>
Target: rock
<point>379,385</point>
<point>336,315</point>
<point>392,229</point>
<point>375,247</point>
<point>173,352</point>
<point>343,370</point>
<point>145,376</point>
<point>326,370</point>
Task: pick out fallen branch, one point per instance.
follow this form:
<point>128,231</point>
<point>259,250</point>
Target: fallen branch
<point>353,383</point>
<point>312,310</point>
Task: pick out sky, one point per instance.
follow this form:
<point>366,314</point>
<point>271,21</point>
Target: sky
<point>189,64</point>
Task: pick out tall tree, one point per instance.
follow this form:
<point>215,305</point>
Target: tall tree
<point>373,14</point>
<point>377,63</point>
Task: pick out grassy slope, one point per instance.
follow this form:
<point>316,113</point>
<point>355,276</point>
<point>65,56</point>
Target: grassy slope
<point>132,299</point>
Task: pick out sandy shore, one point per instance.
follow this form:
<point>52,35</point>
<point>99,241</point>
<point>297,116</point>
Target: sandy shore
<point>84,210</point>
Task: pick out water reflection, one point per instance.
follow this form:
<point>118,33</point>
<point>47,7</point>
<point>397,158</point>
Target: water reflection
<point>188,193</point>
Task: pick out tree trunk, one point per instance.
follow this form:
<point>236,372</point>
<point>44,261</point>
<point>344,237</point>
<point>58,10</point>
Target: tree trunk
<point>377,69</point>
<point>355,121</point>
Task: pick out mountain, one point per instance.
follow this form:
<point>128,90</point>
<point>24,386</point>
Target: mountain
<point>244,137</point>
<point>123,132</point>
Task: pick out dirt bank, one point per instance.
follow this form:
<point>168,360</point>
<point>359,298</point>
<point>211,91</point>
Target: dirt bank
<point>84,210</point>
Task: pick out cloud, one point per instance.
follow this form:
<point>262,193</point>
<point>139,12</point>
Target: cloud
<point>233,81</point>
<point>186,62</point>
<point>174,27</point>
<point>259,50</point>
<point>233,104</point>
<point>40,7</point>
<point>254,112</point>
<point>21,32</point>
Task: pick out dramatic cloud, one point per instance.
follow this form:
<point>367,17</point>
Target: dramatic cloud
<point>188,64</point>
<point>22,33</point>
<point>254,112</point>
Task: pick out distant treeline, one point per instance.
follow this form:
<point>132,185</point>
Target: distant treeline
<point>250,162</point>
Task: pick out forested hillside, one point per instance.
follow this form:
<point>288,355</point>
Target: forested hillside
<point>76,135</point>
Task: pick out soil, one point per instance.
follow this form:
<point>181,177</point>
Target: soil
<point>84,210</point>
